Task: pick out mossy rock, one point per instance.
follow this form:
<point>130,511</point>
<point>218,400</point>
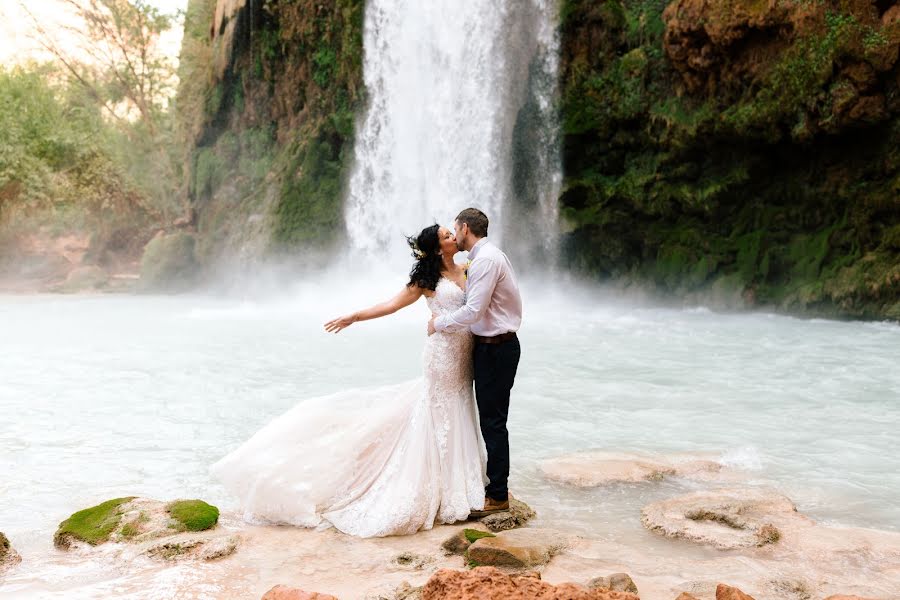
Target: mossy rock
<point>4,547</point>
<point>193,515</point>
<point>91,525</point>
<point>168,263</point>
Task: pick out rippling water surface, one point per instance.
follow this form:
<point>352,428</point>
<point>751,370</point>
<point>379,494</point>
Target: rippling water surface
<point>106,396</point>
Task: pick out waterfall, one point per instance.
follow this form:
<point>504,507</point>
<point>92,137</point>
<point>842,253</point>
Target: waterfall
<point>461,113</point>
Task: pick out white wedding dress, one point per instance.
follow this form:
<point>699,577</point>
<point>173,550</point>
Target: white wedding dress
<point>373,462</point>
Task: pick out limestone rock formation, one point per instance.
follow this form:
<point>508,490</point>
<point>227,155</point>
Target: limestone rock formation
<point>617,582</point>
<point>8,555</point>
<point>596,467</point>
<point>518,548</point>
<point>486,583</point>
<point>725,518</point>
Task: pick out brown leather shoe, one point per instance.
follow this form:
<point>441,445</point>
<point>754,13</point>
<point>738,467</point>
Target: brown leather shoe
<point>491,506</point>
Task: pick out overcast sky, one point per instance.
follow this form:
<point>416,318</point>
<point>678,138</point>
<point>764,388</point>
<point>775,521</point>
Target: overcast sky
<point>17,29</point>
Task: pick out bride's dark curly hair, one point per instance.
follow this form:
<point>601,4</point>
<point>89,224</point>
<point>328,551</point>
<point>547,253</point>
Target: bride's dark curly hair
<point>426,271</point>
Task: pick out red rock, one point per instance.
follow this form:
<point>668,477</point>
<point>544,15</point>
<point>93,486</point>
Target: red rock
<point>283,592</point>
<point>488,583</point>
<point>686,596</point>
<point>726,592</point>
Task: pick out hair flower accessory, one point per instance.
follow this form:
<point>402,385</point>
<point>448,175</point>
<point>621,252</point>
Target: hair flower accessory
<point>416,251</point>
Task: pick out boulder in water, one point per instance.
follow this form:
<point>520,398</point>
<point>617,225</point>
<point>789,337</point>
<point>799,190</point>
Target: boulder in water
<point>617,582</point>
<point>168,531</point>
<point>460,541</point>
<point>518,549</point>
<point>725,518</point>
<point>8,556</point>
<point>726,592</point>
<point>596,468</point>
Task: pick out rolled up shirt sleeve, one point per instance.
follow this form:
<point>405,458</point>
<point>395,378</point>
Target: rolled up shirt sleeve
<point>482,279</point>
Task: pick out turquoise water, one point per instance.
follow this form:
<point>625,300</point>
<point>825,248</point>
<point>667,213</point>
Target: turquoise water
<point>106,396</point>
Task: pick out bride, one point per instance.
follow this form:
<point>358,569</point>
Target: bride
<point>381,461</point>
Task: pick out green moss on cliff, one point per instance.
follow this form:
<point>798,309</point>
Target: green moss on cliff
<point>271,153</point>
<point>775,172</point>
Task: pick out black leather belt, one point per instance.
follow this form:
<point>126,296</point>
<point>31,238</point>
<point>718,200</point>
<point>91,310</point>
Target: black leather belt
<point>495,339</point>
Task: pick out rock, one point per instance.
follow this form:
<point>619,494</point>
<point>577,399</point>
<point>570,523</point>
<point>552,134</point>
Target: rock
<point>219,548</point>
<point>686,596</point>
<point>518,514</point>
<point>8,556</point>
<point>460,541</point>
<point>487,583</point>
<point>168,263</point>
<point>727,43</point>
<point>725,518</point>
<point>517,549</point>
<point>183,529</point>
<point>283,592</point>
<point>80,279</point>
<point>618,582</point>
<point>725,592</point>
<point>595,468</point>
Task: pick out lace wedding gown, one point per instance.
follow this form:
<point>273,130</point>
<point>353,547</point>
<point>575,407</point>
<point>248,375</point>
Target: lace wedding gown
<point>373,462</point>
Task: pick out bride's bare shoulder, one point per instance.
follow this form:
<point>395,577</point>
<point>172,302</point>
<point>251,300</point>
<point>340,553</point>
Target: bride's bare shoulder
<point>420,291</point>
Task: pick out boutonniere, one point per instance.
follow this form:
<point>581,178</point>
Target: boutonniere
<point>466,272</point>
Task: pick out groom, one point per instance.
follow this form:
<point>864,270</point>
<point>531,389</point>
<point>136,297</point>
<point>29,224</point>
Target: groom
<point>493,311</point>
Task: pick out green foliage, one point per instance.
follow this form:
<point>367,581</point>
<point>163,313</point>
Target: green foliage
<point>310,210</point>
<point>92,525</point>
<point>193,515</point>
<point>324,63</point>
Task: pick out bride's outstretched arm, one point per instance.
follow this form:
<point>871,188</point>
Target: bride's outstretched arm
<point>407,296</point>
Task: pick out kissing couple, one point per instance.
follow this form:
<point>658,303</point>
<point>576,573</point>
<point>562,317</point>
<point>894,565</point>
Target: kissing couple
<point>396,459</point>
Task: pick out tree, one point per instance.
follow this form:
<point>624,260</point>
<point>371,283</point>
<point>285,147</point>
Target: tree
<point>131,80</point>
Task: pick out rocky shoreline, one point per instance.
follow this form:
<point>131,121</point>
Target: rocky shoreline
<point>724,543</point>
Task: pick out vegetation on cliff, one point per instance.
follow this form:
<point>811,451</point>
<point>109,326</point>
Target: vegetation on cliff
<point>271,119</point>
<point>743,149</point>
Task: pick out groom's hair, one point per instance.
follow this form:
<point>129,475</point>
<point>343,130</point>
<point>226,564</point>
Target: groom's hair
<point>476,220</point>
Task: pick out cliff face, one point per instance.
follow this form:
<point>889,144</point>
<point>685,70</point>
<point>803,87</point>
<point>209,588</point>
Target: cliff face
<point>269,91</point>
<point>745,150</point>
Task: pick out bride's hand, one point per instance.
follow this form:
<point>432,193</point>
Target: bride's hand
<point>335,325</point>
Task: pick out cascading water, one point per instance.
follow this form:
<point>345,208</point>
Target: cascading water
<point>461,113</point>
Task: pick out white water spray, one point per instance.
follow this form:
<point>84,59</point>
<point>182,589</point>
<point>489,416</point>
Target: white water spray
<point>461,113</point>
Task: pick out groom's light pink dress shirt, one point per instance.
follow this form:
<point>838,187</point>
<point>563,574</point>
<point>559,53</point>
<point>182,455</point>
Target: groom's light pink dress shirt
<point>493,303</point>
